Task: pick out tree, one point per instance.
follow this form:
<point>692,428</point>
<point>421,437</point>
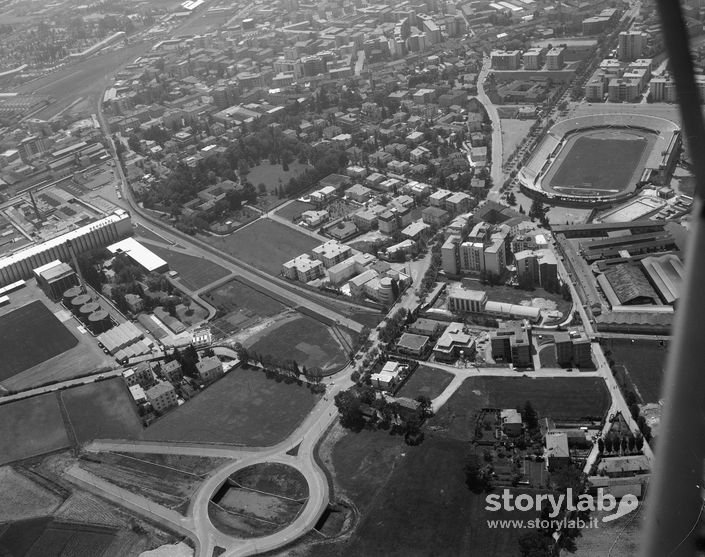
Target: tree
<point>208,353</point>
<point>187,303</point>
<point>348,405</point>
<point>639,442</point>
<point>511,198</point>
<point>425,404</point>
<point>535,544</point>
<point>134,143</point>
<point>608,444</point>
<point>531,418</point>
<point>475,477</point>
<point>242,353</point>
<point>600,445</point>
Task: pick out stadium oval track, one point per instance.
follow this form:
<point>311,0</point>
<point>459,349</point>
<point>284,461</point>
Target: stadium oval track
<point>655,163</point>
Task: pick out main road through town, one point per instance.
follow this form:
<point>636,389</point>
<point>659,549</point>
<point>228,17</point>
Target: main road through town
<point>497,150</point>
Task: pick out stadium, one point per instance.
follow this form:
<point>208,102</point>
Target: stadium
<point>601,159</point>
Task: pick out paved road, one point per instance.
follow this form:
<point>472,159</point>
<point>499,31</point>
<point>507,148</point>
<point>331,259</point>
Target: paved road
<point>497,148</point>
<point>61,385</point>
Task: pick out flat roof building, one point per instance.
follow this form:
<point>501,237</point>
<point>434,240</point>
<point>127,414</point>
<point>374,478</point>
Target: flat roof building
<point>141,255</point>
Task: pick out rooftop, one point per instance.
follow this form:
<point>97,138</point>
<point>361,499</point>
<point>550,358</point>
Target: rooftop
<point>139,254</point>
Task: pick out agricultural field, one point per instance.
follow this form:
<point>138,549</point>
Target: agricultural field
<point>102,410</point>
<point>170,485</point>
<point>47,537</point>
<point>259,500</point>
<point>31,335</point>
<point>265,244</point>
<point>194,272</point>
<point>242,408</point>
<point>306,341</point>
<point>645,364</point>
<point>22,498</point>
<point>426,381</point>
<point>31,427</point>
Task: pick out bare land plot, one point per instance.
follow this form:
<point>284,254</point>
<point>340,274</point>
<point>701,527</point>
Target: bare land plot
<point>513,132</point>
<point>31,427</point>
<point>265,244</point>
<point>102,410</point>
<point>243,408</point>
<point>294,209</point>
<point>259,500</point>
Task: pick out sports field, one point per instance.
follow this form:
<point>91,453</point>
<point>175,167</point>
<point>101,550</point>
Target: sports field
<point>607,161</point>
<point>306,341</point>
<point>243,408</point>
<point>265,244</point>
<point>31,427</point>
<point>103,410</point>
<point>31,335</point>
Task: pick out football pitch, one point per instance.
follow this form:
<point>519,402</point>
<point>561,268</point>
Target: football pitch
<point>599,162</point>
<point>31,335</point>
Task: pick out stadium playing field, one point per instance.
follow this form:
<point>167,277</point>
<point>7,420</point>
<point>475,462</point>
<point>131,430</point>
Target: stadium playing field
<point>599,161</point>
<point>29,336</point>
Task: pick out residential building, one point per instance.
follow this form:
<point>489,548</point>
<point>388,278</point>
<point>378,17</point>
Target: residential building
<point>303,268</point>
<point>537,267</point>
<point>410,343</point>
<point>162,396</point>
<point>512,424</point>
<point>462,300</point>
<point>435,216</point>
<point>455,342</point>
<point>209,369</point>
<point>512,344</point>
<point>631,45</point>
<point>554,58</point>
<point>172,371</point>
<point>505,59</point>
<point>533,58</point>
<point>331,252</point>
<point>388,377</point>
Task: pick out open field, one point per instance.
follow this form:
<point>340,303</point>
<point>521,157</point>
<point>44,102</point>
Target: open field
<point>46,537</point>
<point>259,500</point>
<point>84,357</point>
<point>102,410</point>
<point>31,427</point>
<point>426,381</point>
<point>240,307</point>
<point>242,408</point>
<point>645,362</point>
<point>194,272</point>
<point>547,356</point>
<point>294,209</point>
<point>143,233</point>
<point>306,341</point>
<point>265,244</point>
<point>513,132</point>
<point>31,335</point>
<point>599,161</point>
<point>22,498</point>
<point>569,398</point>
<point>273,176</point>
<point>416,504</point>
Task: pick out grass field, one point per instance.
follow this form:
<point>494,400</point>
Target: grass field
<point>294,209</point>
<point>265,244</point>
<point>240,307</point>
<point>194,272</point>
<point>413,500</point>
<point>272,175</point>
<point>599,163</point>
<point>547,356</point>
<point>31,427</point>
<point>103,410</point>
<point>426,381</point>
<point>46,537</point>
<point>645,361</point>
<point>513,132</point>
<point>306,341</point>
<point>242,408</point>
<point>31,335</point>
